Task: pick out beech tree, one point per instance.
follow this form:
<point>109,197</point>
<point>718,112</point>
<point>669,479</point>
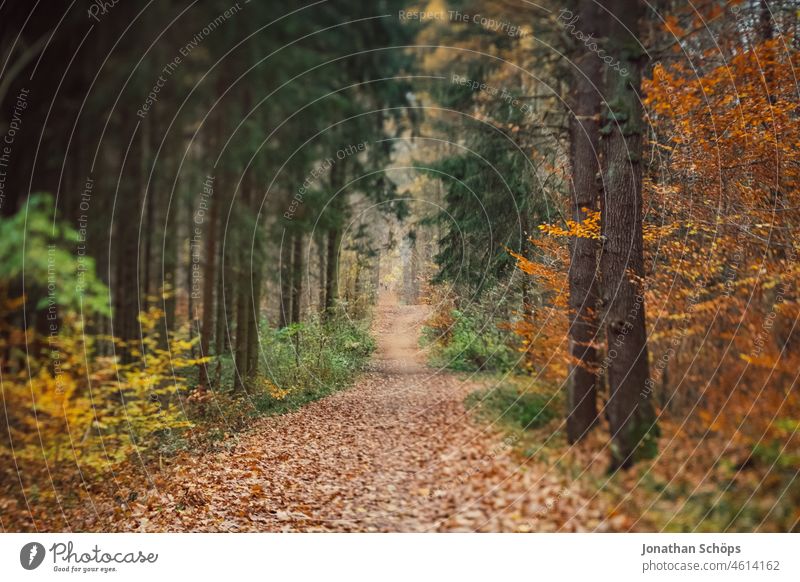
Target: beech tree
<point>584,156</point>
<point>629,409</point>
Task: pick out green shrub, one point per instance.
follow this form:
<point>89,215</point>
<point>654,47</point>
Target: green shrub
<point>507,405</point>
<point>307,361</point>
<point>472,342</point>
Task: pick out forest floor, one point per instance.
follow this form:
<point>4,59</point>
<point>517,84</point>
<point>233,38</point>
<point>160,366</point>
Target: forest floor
<point>396,452</point>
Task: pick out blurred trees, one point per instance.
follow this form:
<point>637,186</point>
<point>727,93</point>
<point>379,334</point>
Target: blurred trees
<point>604,195</point>
<point>678,198</point>
<point>183,147</point>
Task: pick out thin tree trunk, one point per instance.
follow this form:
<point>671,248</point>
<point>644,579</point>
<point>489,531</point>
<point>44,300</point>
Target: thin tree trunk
<point>225,285</point>
<point>172,224</point>
<point>337,178</point>
<point>414,290</point>
<point>255,318</point>
<point>242,329</point>
<point>188,224</point>
<point>244,289</point>
<point>244,306</point>
<point>766,32</point>
<point>209,278</point>
<point>525,289</point>
<point>149,227</point>
<point>332,270</point>
<point>321,252</point>
<point>629,408</point>
<point>286,271</point>
<point>583,284</point>
<point>297,277</point>
<point>224,272</point>
<point>124,320</point>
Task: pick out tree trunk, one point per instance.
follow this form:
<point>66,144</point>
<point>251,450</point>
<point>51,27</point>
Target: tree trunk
<point>413,288</point>
<point>242,329</point>
<point>255,318</point>
<point>244,304</point>
<point>766,27</point>
<point>192,301</point>
<point>525,286</point>
<point>337,178</point>
<point>583,284</point>
<point>124,320</point>
<point>332,270</point>
<point>286,271</point>
<point>321,251</point>
<point>225,285</point>
<point>149,227</point>
<point>297,277</point>
<point>171,242</point>
<point>244,265</point>
<point>629,408</point>
<point>209,278</point>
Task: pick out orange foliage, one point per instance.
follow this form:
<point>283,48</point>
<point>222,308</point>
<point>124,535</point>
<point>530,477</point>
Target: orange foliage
<point>722,209</point>
<point>720,241</point>
<point>542,329</point>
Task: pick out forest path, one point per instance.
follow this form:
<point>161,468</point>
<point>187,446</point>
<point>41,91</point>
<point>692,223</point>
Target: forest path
<point>396,452</point>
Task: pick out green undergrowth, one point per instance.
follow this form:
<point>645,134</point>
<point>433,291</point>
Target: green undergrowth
<point>466,342</point>
<point>529,414</point>
<point>298,364</point>
<point>507,405</point>
<point>739,491</point>
<point>308,361</point>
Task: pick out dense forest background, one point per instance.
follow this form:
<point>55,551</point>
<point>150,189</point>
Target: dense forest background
<point>204,202</point>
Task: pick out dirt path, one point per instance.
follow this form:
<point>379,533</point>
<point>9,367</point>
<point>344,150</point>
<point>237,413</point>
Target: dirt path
<point>397,452</point>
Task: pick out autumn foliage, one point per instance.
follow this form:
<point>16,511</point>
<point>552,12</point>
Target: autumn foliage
<point>78,411</point>
<point>721,213</point>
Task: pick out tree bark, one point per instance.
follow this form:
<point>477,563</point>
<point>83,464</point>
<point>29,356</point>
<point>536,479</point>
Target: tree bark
<point>245,263</point>
<point>766,27</point>
<point>244,302</point>
<point>124,320</point>
<point>321,252</point>
<point>226,280</point>
<point>242,329</point>
<point>297,277</point>
<point>149,228</point>
<point>629,408</point>
<point>337,178</point>
<point>286,271</point>
<point>253,336</point>
<point>332,270</point>
<point>209,278</point>
<point>583,283</point>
